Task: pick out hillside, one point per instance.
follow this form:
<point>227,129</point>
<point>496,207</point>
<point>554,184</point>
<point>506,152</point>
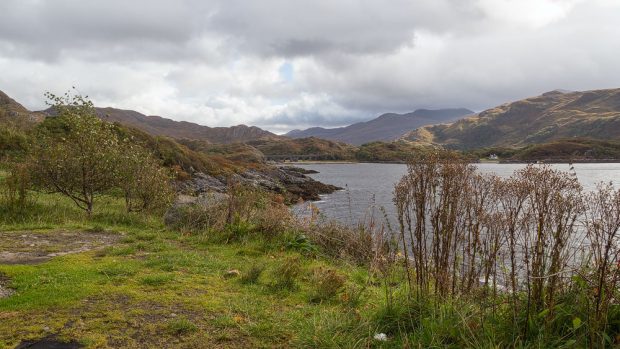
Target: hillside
<point>159,126</point>
<point>319,149</point>
<point>560,150</point>
<point>551,116</point>
<point>15,120</point>
<point>386,127</point>
<point>14,114</point>
<point>396,151</point>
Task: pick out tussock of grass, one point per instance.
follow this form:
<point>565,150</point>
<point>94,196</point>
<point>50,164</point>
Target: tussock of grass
<point>181,326</point>
<point>156,279</point>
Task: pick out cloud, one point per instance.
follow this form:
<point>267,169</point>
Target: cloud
<point>284,64</point>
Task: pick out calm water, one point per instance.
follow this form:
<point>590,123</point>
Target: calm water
<point>372,185</point>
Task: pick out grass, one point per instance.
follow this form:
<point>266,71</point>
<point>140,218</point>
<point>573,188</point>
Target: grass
<point>154,287</point>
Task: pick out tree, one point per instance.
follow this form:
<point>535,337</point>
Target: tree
<point>77,154</point>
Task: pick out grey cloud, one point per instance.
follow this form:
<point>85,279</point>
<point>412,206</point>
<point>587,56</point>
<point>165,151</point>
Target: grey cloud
<point>311,119</point>
<point>217,61</point>
<point>299,28</point>
<point>46,29</point>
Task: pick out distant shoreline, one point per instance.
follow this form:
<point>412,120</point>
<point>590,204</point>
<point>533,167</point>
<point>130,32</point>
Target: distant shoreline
<point>559,161</point>
<point>481,161</point>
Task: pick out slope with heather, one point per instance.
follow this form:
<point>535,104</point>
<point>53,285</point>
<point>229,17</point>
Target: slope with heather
<point>551,116</point>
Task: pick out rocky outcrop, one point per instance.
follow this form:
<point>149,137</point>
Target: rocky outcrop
<point>287,181</point>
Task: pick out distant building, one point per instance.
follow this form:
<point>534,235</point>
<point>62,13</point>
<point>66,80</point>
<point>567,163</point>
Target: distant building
<point>493,157</point>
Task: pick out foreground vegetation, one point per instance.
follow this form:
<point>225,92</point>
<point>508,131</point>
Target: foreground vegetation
<point>245,273</point>
<point>88,257</point>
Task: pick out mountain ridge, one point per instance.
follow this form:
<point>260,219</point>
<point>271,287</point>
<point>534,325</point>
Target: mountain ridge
<point>550,116</point>
<point>161,126</point>
<point>385,127</point>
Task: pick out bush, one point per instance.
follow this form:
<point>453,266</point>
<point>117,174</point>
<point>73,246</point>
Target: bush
<point>327,283</point>
<point>16,188</point>
<point>301,243</point>
<point>243,211</point>
<point>201,215</point>
<point>145,183</point>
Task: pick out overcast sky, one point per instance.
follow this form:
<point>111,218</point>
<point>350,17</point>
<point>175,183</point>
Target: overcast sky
<point>283,64</point>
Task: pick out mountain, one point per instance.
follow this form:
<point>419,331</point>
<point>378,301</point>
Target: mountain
<point>386,127</point>
<point>9,106</point>
<point>159,126</point>
<point>15,114</point>
<point>551,116</point>
<point>311,147</point>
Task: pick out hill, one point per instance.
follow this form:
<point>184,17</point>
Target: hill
<point>397,151</point>
<point>14,114</point>
<point>318,149</point>
<point>560,150</point>
<point>200,165</point>
<point>386,127</point>
<point>159,126</point>
<point>15,120</point>
<point>551,116</point>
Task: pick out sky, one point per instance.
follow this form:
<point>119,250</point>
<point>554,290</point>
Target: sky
<point>287,64</point>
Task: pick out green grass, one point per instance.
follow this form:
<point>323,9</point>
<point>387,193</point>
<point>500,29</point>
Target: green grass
<point>181,326</point>
<point>157,288</point>
<point>125,295</point>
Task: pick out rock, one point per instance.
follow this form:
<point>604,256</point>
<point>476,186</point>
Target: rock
<point>286,180</point>
<point>381,337</point>
<point>298,170</point>
<point>233,273</point>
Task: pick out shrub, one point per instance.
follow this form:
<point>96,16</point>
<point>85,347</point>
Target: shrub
<point>17,185</point>
<point>327,283</point>
<point>243,211</point>
<point>145,183</point>
<point>301,243</point>
<point>207,213</point>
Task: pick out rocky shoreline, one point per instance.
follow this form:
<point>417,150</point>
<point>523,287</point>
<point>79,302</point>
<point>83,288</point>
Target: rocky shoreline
<point>288,181</point>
